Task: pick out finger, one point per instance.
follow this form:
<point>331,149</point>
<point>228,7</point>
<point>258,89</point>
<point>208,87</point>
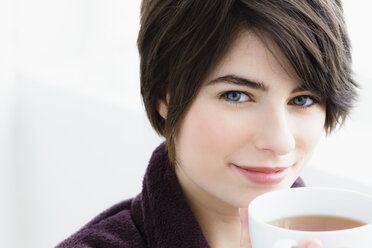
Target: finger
<point>313,243</point>
<point>244,236</point>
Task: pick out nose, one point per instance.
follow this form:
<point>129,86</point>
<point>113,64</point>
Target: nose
<point>274,132</point>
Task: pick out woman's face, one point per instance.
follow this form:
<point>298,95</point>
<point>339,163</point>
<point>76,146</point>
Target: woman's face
<point>250,129</point>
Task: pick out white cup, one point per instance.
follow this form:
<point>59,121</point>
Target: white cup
<point>310,201</point>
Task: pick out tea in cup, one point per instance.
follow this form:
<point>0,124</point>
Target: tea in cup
<point>286,218</point>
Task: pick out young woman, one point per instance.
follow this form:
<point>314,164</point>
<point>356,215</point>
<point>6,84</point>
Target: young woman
<point>242,91</point>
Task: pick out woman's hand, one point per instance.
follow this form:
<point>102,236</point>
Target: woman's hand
<point>245,241</point>
<point>314,243</point>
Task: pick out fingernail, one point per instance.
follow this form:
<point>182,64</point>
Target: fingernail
<point>316,243</point>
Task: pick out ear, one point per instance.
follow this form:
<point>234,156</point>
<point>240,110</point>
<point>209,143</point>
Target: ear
<point>162,105</point>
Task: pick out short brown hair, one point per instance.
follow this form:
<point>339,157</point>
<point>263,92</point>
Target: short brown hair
<point>181,40</point>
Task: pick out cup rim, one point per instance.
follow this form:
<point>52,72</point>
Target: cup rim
<point>269,194</point>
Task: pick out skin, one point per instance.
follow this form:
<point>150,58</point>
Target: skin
<point>231,124</point>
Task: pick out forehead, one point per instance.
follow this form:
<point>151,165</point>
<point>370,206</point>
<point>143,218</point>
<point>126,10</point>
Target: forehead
<point>254,55</point>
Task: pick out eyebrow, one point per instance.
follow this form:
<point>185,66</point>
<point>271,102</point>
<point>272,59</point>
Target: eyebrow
<point>233,79</point>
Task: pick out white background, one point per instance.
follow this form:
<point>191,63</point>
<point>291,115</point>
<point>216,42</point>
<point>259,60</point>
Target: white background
<point>74,138</point>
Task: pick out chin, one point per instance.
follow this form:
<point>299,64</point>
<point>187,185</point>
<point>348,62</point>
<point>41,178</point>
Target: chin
<point>243,201</point>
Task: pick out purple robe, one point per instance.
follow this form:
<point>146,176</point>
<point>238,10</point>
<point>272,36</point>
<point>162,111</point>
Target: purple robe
<point>158,217</point>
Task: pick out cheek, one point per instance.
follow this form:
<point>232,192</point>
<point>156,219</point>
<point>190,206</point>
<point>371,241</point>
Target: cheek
<point>309,131</point>
<point>206,135</point>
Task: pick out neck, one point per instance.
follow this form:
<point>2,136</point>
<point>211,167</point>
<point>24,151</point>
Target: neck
<point>218,220</point>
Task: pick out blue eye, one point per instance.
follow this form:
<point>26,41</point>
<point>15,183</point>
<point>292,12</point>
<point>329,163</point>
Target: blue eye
<point>235,96</point>
<point>303,101</point>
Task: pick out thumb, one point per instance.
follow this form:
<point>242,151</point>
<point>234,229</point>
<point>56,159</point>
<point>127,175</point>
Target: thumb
<point>313,243</point>
<point>245,241</point>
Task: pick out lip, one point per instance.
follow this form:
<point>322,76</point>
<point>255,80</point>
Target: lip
<point>263,175</point>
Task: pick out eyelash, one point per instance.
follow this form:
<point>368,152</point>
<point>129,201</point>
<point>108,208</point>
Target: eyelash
<point>224,97</point>
<point>314,101</point>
